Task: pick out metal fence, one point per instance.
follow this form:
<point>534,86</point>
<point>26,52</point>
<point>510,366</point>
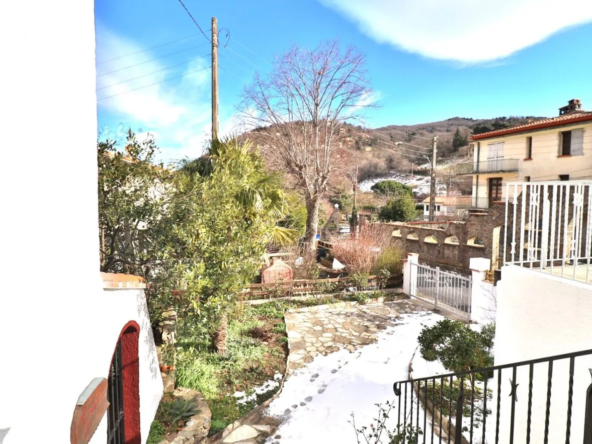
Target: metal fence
<point>550,227</point>
<point>488,166</point>
<point>547,400</point>
<point>446,290</point>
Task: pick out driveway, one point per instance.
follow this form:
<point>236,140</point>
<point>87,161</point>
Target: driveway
<point>344,361</point>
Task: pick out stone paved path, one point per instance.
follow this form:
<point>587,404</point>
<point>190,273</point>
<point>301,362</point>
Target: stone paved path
<point>321,330</point>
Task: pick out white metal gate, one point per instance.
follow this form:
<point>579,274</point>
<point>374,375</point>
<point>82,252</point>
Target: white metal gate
<point>446,290</point>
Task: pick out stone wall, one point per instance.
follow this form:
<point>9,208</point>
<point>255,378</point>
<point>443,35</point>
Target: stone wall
<point>451,244</point>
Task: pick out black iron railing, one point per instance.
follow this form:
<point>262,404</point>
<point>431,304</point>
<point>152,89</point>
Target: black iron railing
<point>115,417</point>
<point>488,166</point>
<point>483,406</point>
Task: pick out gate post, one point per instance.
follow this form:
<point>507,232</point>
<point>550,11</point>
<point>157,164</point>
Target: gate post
<point>437,295</point>
<point>408,276</point>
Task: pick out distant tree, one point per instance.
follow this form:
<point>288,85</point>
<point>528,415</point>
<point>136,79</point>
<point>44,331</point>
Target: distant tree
<point>400,210</point>
<point>459,140</point>
<point>305,100</point>
<point>391,188</point>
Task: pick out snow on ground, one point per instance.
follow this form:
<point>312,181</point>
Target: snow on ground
<point>420,184</point>
<point>243,398</point>
<point>317,401</point>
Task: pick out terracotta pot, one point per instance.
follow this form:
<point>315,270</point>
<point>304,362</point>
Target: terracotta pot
<point>167,368</point>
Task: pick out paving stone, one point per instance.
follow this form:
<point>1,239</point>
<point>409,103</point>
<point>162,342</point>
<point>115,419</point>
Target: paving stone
<point>243,433</point>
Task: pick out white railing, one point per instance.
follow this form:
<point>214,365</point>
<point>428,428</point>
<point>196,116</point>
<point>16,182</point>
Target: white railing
<point>446,290</point>
<point>549,227</point>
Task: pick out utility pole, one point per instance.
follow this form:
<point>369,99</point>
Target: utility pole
<point>354,217</point>
<point>433,181</point>
<point>214,79</point>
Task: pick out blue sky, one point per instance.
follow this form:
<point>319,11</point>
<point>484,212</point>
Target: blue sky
<point>428,59</point>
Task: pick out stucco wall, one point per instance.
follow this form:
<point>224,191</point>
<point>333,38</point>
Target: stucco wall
<point>58,327</point>
<point>538,316</point>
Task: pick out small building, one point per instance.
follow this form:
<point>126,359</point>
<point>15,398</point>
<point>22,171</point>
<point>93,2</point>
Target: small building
<point>448,207</point>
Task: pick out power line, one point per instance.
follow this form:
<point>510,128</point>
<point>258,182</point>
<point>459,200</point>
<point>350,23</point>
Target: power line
<point>244,58</point>
<point>152,84</point>
<point>407,150</point>
<point>237,64</point>
<point>231,73</point>
<point>410,144</point>
<point>407,134</point>
<point>194,21</point>
<point>143,75</point>
<point>147,49</point>
<point>152,60</point>
<point>253,52</point>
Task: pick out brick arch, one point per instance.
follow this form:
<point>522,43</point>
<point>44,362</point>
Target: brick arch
<point>130,362</point>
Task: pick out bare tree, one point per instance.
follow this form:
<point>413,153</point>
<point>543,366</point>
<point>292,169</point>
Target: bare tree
<point>298,111</point>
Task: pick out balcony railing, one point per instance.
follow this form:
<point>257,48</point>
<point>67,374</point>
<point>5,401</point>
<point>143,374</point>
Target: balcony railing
<point>488,166</point>
<point>542,400</point>
<point>549,226</point>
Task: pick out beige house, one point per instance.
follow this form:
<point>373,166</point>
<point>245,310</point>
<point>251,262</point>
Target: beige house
<point>558,148</point>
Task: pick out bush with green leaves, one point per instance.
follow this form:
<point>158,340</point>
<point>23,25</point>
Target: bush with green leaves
<point>359,279</point>
<point>358,297</point>
<point>398,210</point>
<point>392,188</point>
<point>457,346</point>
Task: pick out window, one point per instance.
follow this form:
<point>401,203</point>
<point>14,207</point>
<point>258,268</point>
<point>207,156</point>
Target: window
<point>566,143</point>
<point>529,147</point>
<point>577,142</point>
<point>564,177</point>
<point>526,178</point>
<point>495,190</point>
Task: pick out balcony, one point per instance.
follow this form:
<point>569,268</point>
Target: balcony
<point>488,166</point>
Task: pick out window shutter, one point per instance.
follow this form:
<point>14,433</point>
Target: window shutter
<point>577,142</point>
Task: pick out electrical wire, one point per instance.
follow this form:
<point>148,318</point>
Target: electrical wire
<point>244,58</point>
<point>407,150</point>
<point>143,75</point>
<point>147,49</point>
<point>152,60</point>
<point>407,134</point>
<point>410,144</point>
<point>252,52</point>
<point>237,64</point>
<point>152,84</point>
<point>194,21</point>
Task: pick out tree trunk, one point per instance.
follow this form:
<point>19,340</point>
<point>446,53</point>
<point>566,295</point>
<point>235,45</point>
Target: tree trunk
<point>219,338</point>
<point>312,223</point>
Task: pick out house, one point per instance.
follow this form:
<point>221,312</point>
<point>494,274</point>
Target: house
<point>447,207</point>
<point>75,343</point>
<point>558,148</point>
<point>540,387</point>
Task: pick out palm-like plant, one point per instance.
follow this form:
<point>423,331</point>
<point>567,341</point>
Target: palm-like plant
<point>233,207</point>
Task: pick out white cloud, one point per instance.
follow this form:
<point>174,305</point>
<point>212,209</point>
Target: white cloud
<point>469,31</point>
<point>175,111</point>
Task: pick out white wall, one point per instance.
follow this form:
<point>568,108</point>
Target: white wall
<point>58,328</point>
<point>539,315</point>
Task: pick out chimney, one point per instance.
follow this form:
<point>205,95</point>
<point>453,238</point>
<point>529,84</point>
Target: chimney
<point>573,105</point>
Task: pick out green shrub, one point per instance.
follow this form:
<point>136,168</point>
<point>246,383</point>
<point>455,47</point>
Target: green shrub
<point>457,346</point>
<point>358,297</point>
<point>359,279</point>
<point>390,258</point>
<point>400,210</point>
<point>177,410</point>
<point>280,327</point>
<point>392,188</point>
<point>195,373</point>
<point>156,434</point>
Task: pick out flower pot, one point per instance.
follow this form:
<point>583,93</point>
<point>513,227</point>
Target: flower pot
<point>167,368</point>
